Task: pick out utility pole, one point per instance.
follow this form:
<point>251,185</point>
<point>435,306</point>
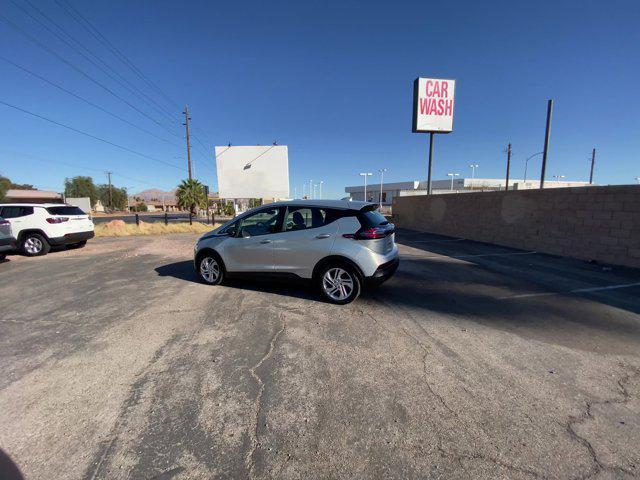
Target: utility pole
<point>545,151</point>
<point>186,124</point>
<point>110,201</point>
<point>593,163</point>
<point>311,189</point>
<point>506,186</point>
<point>320,189</point>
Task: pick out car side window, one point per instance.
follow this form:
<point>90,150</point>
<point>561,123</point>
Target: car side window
<point>303,218</point>
<point>16,212</point>
<point>263,222</point>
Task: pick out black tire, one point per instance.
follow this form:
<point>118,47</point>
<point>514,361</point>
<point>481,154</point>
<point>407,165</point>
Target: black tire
<point>349,284</point>
<point>217,274</point>
<point>77,245</point>
<point>34,245</point>
<point>2,257</point>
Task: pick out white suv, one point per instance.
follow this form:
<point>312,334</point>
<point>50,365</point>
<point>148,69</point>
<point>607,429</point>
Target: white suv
<point>39,226</point>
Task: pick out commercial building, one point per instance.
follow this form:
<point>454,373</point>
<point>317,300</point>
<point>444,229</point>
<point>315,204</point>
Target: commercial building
<point>459,185</point>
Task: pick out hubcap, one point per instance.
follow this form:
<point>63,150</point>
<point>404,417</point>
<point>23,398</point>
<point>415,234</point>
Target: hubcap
<point>337,283</point>
<point>33,245</point>
<point>209,269</point>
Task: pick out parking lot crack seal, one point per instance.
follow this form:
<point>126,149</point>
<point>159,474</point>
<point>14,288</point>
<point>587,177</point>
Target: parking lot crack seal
<point>598,466</point>
<point>249,462</point>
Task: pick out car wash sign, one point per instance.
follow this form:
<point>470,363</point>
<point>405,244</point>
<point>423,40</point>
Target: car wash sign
<point>433,103</point>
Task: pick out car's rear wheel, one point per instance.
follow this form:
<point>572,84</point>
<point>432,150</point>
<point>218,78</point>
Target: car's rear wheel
<point>34,244</point>
<point>339,283</point>
<point>210,269</point>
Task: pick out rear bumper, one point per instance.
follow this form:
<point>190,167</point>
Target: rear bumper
<point>383,273</point>
<point>71,238</point>
<point>7,244</point>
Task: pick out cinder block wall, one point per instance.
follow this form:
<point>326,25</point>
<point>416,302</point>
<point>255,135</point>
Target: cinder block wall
<point>590,223</point>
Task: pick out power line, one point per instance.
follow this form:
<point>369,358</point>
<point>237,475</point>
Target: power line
<point>72,11</point>
<point>79,70</point>
<point>82,167</point>
<point>143,155</point>
<point>88,102</point>
<point>140,95</point>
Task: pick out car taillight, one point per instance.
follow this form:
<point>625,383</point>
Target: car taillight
<point>57,219</point>
<point>371,233</point>
<point>4,222</point>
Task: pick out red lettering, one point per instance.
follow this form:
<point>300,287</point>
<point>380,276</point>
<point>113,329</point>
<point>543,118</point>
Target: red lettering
<point>429,82</point>
<point>445,89</point>
<point>440,107</point>
<point>448,109</point>
<point>424,106</point>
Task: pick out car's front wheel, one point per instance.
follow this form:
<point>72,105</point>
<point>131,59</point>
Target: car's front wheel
<point>339,283</point>
<point>34,244</point>
<point>210,269</point>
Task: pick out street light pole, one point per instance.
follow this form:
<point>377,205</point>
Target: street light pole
<point>310,188</point>
<point>545,150</point>
<point>452,175</point>
<point>320,189</point>
<point>382,170</point>
<point>526,164</point>
<point>365,175</point>
<point>473,170</point>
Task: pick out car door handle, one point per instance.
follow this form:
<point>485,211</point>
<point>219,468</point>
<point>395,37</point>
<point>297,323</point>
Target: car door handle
<point>323,235</point>
<point>265,241</point>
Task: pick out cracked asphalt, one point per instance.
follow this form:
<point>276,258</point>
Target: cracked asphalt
<point>474,361</point>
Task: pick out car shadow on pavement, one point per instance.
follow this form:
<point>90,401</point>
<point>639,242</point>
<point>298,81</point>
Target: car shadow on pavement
<point>8,469</point>
<point>286,287</point>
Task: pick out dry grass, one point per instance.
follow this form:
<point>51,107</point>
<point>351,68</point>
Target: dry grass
<point>121,229</point>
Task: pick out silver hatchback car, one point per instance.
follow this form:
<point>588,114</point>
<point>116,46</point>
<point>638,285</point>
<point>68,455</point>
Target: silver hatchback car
<point>338,244</point>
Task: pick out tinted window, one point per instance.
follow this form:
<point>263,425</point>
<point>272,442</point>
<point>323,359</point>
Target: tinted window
<point>15,212</point>
<point>371,219</point>
<point>301,218</point>
<point>259,223</point>
<point>65,210</point>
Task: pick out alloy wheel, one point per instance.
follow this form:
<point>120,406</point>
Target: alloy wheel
<point>209,269</point>
<point>33,245</point>
<point>337,283</point>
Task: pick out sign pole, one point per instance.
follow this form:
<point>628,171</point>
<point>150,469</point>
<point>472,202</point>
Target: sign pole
<point>430,163</point>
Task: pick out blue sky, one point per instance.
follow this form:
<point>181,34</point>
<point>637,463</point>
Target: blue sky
<point>333,81</point>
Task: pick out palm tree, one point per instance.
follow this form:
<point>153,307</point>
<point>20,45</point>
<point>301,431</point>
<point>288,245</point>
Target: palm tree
<point>190,194</point>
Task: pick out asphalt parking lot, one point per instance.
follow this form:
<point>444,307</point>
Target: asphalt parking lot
<point>474,361</point>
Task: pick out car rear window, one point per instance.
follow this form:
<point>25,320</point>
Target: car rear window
<point>65,210</point>
<point>371,219</point>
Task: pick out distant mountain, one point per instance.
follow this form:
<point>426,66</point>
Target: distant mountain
<point>155,194</point>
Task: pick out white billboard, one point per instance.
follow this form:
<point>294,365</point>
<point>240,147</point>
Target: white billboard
<point>253,172</point>
<point>433,102</point>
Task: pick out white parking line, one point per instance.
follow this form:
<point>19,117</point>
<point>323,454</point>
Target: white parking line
<point>576,290</point>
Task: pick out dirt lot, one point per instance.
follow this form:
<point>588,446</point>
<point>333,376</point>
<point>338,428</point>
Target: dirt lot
<point>474,361</point>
